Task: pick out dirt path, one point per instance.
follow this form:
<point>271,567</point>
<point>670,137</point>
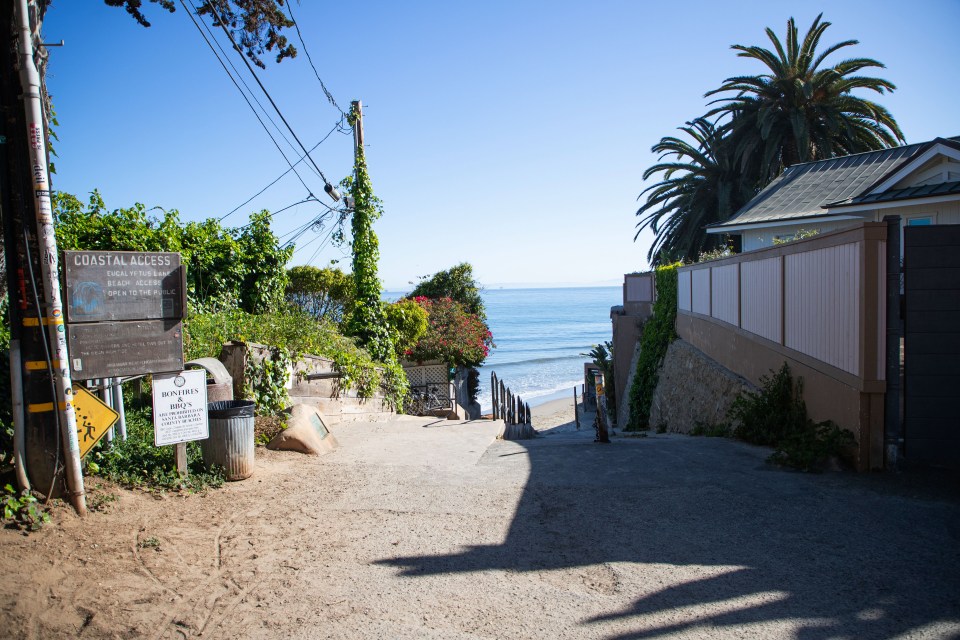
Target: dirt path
<point>417,529</point>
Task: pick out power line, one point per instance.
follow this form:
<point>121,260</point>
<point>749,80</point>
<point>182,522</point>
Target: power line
<point>246,99</point>
<point>326,92</point>
<point>246,62</point>
<point>237,74</point>
<point>336,127</point>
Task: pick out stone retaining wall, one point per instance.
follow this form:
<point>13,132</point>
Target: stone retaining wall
<point>693,389</point>
<point>336,404</point>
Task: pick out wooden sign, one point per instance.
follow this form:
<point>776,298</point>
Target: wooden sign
<point>94,419</point>
<point>123,285</point>
<point>114,349</point>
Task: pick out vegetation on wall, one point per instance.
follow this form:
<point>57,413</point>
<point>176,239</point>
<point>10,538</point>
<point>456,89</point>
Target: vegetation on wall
<point>776,416</point>
<point>296,333</point>
<point>658,333</point>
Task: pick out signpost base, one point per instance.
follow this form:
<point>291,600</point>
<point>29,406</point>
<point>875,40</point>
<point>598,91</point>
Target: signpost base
<point>180,457</point>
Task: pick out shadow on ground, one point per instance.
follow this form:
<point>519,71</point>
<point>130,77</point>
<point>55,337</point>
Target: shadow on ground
<point>841,555</point>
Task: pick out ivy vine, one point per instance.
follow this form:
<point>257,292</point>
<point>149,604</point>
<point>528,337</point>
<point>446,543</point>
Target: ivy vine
<point>266,381</point>
<point>367,322</point>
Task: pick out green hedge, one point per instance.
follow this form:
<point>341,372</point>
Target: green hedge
<point>658,332</point>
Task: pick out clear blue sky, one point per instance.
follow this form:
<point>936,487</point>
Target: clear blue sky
<point>512,135</point>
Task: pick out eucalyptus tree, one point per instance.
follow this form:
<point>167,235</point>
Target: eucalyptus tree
<point>802,108</point>
<point>699,184</point>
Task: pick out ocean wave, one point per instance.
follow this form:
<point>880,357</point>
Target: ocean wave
<point>532,361</point>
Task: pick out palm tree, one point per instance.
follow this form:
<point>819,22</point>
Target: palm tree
<point>699,185</point>
<point>799,112</point>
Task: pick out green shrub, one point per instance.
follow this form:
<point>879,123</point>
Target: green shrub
<point>776,416</point>
<point>22,510</point>
<point>658,332</point>
<point>136,463</point>
<point>296,333</point>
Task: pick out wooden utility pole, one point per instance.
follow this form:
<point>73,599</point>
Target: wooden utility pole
<point>357,128</point>
<point>45,415</point>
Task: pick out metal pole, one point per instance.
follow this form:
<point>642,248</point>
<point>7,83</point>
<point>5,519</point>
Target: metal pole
<point>893,432</point>
<point>63,402</point>
<point>16,392</point>
<point>118,401</point>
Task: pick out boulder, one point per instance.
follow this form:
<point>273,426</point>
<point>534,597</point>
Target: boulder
<point>306,432</point>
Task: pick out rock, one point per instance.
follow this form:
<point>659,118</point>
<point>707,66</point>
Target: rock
<point>306,432</point>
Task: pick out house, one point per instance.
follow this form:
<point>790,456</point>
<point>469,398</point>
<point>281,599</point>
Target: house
<point>918,182</point>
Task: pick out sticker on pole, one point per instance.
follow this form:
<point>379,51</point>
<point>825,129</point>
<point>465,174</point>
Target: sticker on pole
<point>180,407</point>
<point>94,419</point>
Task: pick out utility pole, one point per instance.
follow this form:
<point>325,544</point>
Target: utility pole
<point>357,111</point>
<point>48,417</point>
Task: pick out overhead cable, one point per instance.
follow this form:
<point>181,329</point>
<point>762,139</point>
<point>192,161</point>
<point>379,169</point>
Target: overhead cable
<point>246,62</point>
<point>246,99</point>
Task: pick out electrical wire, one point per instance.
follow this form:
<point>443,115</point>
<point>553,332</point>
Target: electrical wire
<point>237,74</point>
<point>336,127</point>
<point>246,99</point>
<point>326,92</point>
<point>246,62</point>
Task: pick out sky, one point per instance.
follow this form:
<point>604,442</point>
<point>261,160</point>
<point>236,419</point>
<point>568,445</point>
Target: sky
<point>512,135</point>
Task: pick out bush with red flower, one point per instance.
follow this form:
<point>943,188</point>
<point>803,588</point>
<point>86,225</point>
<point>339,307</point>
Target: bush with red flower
<point>454,336</point>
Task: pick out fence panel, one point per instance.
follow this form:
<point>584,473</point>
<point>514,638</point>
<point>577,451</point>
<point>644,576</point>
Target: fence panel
<point>683,291</point>
<point>761,294</point>
<point>701,291</point>
<point>822,305</point>
<point>725,294</point>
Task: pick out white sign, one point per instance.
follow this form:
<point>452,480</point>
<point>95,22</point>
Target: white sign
<point>180,407</point>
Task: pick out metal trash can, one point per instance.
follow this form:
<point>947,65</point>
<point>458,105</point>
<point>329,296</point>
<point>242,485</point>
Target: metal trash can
<point>230,444</point>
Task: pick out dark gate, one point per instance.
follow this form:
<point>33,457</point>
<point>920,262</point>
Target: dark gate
<point>931,267</point>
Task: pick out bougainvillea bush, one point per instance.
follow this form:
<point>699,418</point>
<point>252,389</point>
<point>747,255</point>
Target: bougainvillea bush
<point>454,336</point>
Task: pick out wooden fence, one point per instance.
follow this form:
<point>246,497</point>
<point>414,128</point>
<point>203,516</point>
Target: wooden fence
<point>506,406</point>
<point>818,304</point>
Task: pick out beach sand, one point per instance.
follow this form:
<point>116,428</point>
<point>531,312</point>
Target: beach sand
<point>554,415</point>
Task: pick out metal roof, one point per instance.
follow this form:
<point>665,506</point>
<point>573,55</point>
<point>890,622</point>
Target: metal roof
<point>923,191</point>
<point>803,190</point>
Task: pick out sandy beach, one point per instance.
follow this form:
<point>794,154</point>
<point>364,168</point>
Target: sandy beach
<point>554,415</point>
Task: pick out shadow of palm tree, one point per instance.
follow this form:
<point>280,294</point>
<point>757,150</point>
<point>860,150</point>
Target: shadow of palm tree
<point>836,555</point>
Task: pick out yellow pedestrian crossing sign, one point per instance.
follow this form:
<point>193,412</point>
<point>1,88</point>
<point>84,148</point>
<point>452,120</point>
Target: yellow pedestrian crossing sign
<point>94,418</point>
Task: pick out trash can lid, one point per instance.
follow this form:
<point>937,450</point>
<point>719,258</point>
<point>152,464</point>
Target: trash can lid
<point>230,409</point>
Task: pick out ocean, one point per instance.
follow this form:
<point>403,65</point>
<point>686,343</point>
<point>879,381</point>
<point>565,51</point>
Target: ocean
<point>540,334</point>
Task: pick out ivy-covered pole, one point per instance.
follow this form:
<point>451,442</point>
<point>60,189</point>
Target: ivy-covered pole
<point>367,322</point>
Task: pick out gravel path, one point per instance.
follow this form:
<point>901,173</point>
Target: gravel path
<point>434,529</point>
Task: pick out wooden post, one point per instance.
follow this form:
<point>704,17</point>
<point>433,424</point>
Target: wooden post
<point>493,393</point>
<point>529,415</point>
<point>576,414</point>
<point>503,402</point>
<point>180,457</point>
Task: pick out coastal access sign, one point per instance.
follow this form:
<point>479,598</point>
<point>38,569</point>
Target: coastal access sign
<point>180,407</point>
<point>124,311</point>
